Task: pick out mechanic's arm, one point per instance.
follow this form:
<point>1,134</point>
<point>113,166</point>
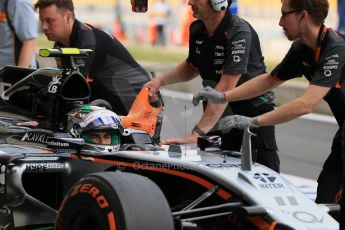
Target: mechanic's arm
<point>211,114</point>
<point>182,73</point>
<point>27,53</point>
<point>252,88</point>
<point>295,108</point>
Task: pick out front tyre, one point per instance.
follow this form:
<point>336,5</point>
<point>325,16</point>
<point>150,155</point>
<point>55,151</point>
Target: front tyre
<point>114,200</point>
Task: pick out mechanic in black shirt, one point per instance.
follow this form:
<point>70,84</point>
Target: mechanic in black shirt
<point>225,50</point>
<point>111,71</point>
<point>318,53</point>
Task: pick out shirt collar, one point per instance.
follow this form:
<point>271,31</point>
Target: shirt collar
<point>74,35</point>
<point>224,25</point>
<point>320,39</point>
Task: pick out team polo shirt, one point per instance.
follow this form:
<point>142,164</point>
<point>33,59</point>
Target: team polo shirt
<point>326,69</point>
<point>112,72</point>
<point>233,49</point>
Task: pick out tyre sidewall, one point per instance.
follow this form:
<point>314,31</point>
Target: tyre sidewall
<point>94,196</point>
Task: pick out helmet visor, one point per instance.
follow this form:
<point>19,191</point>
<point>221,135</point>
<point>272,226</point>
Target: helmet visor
<point>100,119</point>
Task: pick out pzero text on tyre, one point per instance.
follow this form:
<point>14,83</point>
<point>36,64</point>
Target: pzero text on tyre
<point>114,201</point>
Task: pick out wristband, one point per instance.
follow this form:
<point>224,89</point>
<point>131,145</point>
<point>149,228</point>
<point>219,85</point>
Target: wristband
<point>198,131</point>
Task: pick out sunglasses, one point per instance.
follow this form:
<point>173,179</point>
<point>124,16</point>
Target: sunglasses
<point>284,14</point>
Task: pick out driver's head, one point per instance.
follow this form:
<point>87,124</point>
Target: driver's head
<point>57,18</point>
<point>99,127</point>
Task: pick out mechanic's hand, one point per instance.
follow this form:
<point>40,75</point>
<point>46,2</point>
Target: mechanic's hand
<point>209,94</point>
<point>190,139</point>
<point>154,86</point>
<point>227,123</point>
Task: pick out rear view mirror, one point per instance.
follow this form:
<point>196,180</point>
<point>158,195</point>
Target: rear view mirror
<point>139,5</point>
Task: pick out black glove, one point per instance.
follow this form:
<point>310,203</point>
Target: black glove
<point>226,124</point>
<point>209,94</point>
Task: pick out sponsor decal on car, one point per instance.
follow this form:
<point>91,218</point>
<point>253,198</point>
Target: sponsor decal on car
<point>223,165</point>
<point>37,137</point>
<point>54,85</point>
<point>264,181</point>
<point>57,143</point>
<point>5,210</point>
<point>2,179</point>
<point>45,167</point>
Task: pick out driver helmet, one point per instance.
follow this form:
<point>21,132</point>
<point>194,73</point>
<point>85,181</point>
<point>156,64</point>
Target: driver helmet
<point>100,128</point>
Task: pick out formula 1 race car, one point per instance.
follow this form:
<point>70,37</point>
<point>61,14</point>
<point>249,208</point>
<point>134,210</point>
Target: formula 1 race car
<point>50,179</point>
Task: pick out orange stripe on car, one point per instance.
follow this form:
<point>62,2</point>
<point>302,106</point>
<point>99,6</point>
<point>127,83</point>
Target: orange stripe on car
<point>273,226</point>
<point>256,220</point>
<point>260,223</point>
<point>225,195</point>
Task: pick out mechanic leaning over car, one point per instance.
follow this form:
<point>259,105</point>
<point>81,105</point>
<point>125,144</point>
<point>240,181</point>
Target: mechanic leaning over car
<point>225,50</point>
<point>111,71</point>
<point>318,53</point>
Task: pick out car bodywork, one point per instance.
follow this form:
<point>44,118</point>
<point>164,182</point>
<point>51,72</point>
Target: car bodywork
<point>206,189</point>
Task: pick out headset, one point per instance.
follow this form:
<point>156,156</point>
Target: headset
<point>220,5</point>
